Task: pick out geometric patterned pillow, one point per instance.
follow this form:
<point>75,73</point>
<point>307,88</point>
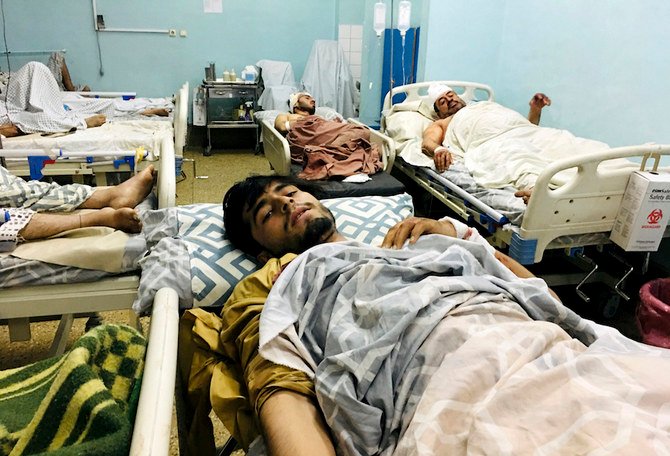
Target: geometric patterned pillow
<point>217,266</point>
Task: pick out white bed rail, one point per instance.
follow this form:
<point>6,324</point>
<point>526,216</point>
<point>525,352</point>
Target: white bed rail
<point>167,184</point>
<point>151,433</point>
<point>278,152</point>
<point>180,119</point>
<point>588,203</point>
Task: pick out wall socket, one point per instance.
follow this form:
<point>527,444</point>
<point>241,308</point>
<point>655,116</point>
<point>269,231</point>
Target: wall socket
<point>172,32</point>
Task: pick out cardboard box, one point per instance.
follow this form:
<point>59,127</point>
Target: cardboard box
<point>644,212</point>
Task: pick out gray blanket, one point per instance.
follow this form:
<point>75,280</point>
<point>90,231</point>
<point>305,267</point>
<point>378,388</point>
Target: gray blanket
<point>363,321</point>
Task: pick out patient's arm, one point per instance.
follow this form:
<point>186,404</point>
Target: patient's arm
<point>518,270</point>
<point>434,135</point>
<point>536,104</point>
<point>432,144</point>
<point>293,426</point>
<point>282,119</point>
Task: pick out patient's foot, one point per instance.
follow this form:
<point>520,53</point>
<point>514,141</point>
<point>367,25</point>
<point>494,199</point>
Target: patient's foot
<point>95,121</point>
<point>124,219</point>
<point>162,112</point>
<point>525,194</point>
<point>127,194</point>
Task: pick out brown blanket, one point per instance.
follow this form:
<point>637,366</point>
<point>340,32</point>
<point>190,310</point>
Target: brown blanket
<point>328,149</point>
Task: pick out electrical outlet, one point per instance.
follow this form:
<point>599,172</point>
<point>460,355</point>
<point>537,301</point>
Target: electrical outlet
<point>172,32</point>
<point>182,33</point>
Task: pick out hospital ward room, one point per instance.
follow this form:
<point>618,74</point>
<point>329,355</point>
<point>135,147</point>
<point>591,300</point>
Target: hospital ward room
<point>334,227</point>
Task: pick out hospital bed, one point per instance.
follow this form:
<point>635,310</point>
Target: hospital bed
<point>112,147</point>
<point>277,151</point>
<point>48,295</point>
<point>379,352</point>
<point>577,214</point>
<point>204,267</point>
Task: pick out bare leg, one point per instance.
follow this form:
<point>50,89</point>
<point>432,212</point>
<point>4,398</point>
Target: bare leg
<point>162,112</point>
<point>67,80</point>
<point>127,194</point>
<point>95,121</point>
<point>44,225</point>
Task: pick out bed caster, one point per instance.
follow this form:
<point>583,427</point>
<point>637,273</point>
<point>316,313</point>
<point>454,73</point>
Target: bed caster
<point>208,151</point>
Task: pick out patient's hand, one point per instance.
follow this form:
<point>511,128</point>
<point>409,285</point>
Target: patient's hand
<point>443,159</point>
<point>539,101</point>
<point>414,227</point>
<point>525,194</point>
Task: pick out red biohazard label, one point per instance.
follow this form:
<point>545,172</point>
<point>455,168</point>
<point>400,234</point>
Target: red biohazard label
<point>655,216</point>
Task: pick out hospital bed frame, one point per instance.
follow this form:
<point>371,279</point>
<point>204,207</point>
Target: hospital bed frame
<point>153,419</point>
<point>278,152</point>
<point>587,204</point>
<point>18,304</point>
<point>81,167</point>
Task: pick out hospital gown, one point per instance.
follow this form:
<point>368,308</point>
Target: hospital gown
<point>34,103</point>
<point>22,199</point>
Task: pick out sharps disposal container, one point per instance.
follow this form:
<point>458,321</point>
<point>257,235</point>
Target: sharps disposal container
<point>653,313</point>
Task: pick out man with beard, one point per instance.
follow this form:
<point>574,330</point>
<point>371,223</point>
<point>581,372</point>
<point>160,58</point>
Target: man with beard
<point>326,149</point>
<point>272,218</point>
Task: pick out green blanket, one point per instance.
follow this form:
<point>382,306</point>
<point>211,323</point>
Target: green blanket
<point>82,402</point>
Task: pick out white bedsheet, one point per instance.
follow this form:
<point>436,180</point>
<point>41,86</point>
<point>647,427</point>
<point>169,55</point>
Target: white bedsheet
<point>113,136</point>
<point>501,147</point>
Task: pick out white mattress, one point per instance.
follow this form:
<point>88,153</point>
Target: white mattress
<point>113,136</point>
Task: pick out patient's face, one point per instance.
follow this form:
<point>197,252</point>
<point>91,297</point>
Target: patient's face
<point>306,103</point>
<point>285,219</point>
<point>448,104</point>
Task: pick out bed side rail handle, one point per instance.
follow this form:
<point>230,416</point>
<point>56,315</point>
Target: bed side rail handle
<point>578,288</point>
<point>488,210</point>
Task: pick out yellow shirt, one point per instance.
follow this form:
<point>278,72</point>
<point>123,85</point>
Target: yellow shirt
<point>220,364</point>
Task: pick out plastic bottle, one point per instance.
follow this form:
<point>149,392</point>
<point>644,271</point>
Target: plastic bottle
<point>226,75</point>
<point>233,75</point>
<point>379,22</point>
<point>404,16</point>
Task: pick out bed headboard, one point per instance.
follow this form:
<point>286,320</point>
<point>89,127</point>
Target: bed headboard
<point>468,91</point>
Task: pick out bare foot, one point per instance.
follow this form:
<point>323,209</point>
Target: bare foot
<point>95,121</point>
<point>124,219</point>
<point>130,193</point>
<point>127,194</point>
<point>525,194</point>
<point>162,112</point>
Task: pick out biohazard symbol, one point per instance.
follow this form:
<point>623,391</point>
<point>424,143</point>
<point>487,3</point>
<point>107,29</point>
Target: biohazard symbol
<point>655,216</point>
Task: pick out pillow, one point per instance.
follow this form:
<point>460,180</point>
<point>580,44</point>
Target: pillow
<point>216,266</point>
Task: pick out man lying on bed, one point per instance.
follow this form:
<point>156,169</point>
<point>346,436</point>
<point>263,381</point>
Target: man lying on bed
<point>498,146</point>
<point>38,210</point>
<point>326,149</point>
<point>34,104</point>
<point>350,336</point>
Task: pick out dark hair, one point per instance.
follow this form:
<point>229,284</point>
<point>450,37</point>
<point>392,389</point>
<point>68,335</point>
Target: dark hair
<point>243,195</point>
